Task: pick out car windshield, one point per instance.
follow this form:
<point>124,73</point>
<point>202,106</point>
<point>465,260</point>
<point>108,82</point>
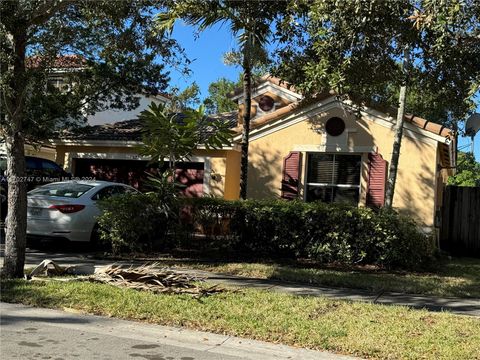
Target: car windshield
<point>70,190</point>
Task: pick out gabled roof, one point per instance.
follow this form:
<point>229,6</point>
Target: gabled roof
<point>419,122</point>
<point>266,79</point>
<point>128,130</point>
<point>304,102</point>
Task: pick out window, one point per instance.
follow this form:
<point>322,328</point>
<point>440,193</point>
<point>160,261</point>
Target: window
<point>50,165</point>
<point>266,103</point>
<point>335,126</point>
<point>32,163</point>
<point>70,190</point>
<point>333,178</point>
<point>34,167</point>
<point>56,82</point>
<point>51,169</point>
<point>105,193</point>
<point>59,83</point>
<point>110,191</point>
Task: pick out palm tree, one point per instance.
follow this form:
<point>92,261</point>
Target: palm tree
<point>250,22</point>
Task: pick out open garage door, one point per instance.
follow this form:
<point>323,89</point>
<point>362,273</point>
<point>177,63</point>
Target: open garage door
<point>134,173</point>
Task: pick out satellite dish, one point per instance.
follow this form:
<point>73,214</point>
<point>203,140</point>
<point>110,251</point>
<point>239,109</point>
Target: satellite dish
<point>472,126</point>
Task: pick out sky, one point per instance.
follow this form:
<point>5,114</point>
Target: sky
<point>206,52</point>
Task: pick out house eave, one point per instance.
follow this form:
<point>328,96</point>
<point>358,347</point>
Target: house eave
<point>120,143</point>
<point>273,88</point>
<point>301,114</point>
<point>90,143</point>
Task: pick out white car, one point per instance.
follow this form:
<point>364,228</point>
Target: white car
<point>68,209</point>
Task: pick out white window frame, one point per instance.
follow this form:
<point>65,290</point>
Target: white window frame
<point>344,186</point>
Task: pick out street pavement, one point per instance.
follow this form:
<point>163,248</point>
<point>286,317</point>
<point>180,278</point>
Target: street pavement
<point>35,333</point>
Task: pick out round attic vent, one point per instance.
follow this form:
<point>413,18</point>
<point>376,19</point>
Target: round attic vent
<point>335,126</point>
<point>266,103</point>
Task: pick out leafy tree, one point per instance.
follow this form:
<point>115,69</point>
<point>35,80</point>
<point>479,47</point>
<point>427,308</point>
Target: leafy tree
<point>189,98</point>
<point>468,171</point>
<point>355,47</point>
<point>250,21</point>
<point>217,100</point>
<point>175,136</point>
<point>113,46</point>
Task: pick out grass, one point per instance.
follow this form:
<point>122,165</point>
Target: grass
<point>451,278</point>
<point>360,329</point>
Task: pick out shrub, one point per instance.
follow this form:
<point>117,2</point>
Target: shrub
<point>327,233</point>
<point>132,222</point>
<point>322,232</point>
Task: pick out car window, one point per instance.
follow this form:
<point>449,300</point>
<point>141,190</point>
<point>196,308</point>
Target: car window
<point>32,163</point>
<point>50,168</point>
<point>125,190</point>
<point>70,190</point>
<point>129,190</point>
<point>34,167</point>
<point>110,191</point>
<point>50,165</point>
<point>105,193</point>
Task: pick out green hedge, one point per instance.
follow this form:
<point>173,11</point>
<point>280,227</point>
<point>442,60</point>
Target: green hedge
<point>268,229</point>
<point>133,222</point>
<point>323,232</point>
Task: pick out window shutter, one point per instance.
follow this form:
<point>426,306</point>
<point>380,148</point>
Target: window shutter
<point>290,175</point>
<point>377,175</point>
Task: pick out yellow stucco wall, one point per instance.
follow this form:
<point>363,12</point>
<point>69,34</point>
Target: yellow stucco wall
<point>232,175</point>
<point>415,186</point>
<point>41,152</point>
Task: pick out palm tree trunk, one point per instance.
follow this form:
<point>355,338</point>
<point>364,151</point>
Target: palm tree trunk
<point>15,241</point>
<point>397,141</point>
<point>247,95</point>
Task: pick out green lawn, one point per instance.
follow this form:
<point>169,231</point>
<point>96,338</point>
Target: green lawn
<point>451,278</point>
<point>365,330</point>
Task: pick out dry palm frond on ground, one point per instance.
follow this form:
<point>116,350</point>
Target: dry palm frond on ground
<point>153,278</point>
<point>147,277</point>
<point>48,268</point>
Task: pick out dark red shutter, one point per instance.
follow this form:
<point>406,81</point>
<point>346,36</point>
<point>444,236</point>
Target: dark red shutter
<point>290,175</point>
<point>377,176</point>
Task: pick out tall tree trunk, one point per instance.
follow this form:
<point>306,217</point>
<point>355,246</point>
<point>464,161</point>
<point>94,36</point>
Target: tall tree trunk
<point>397,141</point>
<point>15,242</point>
<point>247,95</point>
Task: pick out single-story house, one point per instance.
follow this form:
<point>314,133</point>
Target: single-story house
<point>329,149</point>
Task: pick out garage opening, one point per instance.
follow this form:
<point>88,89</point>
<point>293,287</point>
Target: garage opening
<point>135,173</point>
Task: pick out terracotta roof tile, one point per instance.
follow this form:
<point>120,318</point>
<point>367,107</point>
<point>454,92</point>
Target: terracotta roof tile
<point>61,62</point>
<point>429,126</point>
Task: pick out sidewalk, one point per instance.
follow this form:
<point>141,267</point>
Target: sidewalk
<point>36,333</point>
<point>455,305</point>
